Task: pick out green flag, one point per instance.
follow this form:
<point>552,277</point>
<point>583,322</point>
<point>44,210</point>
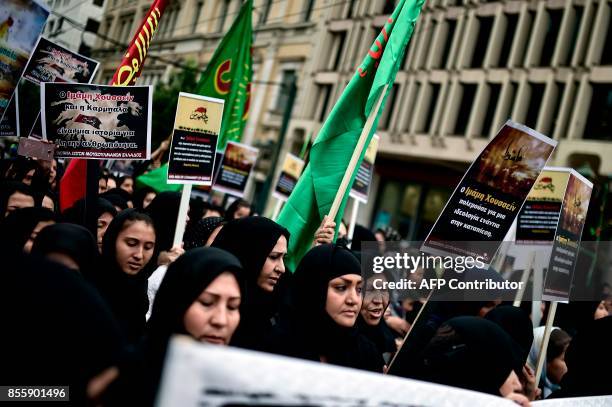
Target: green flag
<point>331,152</point>
<point>156,179</point>
<point>228,76</point>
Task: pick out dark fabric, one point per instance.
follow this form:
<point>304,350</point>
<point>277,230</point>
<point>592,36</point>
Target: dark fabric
<point>588,360</point>
<point>183,283</point>
<point>251,240</point>
<point>61,331</point>
<point>8,188</point>
<point>575,316</point>
<point>470,353</point>
<point>380,335</point>
<point>76,213</point>
<point>311,333</point>
<point>72,240</point>
<point>125,294</point>
<point>140,194</point>
<point>517,325</point>
<point>16,229</point>
<point>233,208</point>
<point>164,211</point>
<point>360,235</point>
<point>198,233</point>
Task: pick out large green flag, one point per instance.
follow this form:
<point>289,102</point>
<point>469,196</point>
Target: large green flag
<point>331,152</point>
<point>228,76</point>
<point>157,179</point>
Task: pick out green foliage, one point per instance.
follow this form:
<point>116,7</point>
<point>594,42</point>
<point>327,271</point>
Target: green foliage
<point>165,98</point>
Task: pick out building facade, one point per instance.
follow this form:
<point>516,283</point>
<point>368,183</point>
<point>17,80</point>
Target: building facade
<point>85,14</point>
<point>469,67</point>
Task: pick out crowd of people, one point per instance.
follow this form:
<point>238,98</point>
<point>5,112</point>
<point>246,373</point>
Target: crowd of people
<point>96,310</point>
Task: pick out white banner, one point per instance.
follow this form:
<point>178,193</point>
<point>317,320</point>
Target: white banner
<point>197,374</point>
<point>598,401</point>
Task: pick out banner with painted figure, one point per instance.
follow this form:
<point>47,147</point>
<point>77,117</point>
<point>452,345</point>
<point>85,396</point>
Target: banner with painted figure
<point>194,140</point>
<point>96,121</point>
<point>292,169</point>
<point>361,187</point>
<point>491,194</point>
<point>236,166</point>
<point>21,22</point>
<point>242,378</point>
<point>51,62</point>
<point>560,274</point>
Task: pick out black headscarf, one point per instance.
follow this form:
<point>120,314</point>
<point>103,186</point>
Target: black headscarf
<point>198,233</point>
<point>74,241</point>
<point>76,213</point>
<point>140,194</point>
<point>164,211</point>
<point>313,332</point>
<point>360,235</point>
<point>517,325</point>
<point>588,360</point>
<point>575,315</point>
<point>251,240</point>
<point>16,229</point>
<point>470,353</point>
<point>183,283</point>
<point>8,188</point>
<point>61,331</point>
<point>126,294</point>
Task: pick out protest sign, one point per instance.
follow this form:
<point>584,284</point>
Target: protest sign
<point>96,121</point>
<point>242,377</point>
<point>194,141</point>
<point>9,126</point>
<point>236,166</point>
<point>292,169</point>
<point>21,22</point>
<point>361,186</point>
<point>539,217</point>
<point>490,194</point>
<point>51,62</point>
<point>558,279</point>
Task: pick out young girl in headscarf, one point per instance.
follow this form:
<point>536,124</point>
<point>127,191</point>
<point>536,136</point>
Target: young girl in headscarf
<point>127,253</point>
<point>200,296</point>
<point>67,244</point>
<point>326,299</point>
<point>260,244</point>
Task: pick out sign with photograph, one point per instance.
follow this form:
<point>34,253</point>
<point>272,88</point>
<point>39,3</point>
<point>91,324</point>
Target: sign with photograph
<point>292,169</point>
<point>361,187</point>
<point>194,141</point>
<point>490,194</point>
<point>96,121</point>
<point>21,22</point>
<point>236,166</point>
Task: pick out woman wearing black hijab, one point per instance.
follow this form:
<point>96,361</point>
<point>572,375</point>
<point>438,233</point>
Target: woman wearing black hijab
<point>472,353</point>
<point>20,228</point>
<point>121,278</point>
<point>326,302</point>
<point>67,244</point>
<point>260,244</point>
<point>105,211</point>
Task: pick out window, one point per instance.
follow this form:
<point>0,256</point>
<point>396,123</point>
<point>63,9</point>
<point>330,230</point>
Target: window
<point>555,117</point>
<point>389,7</point>
<point>222,15</point>
<point>599,121</point>
<point>484,33</point>
<point>174,18</point>
<point>92,25</point>
<point>265,12</point>
<point>535,102</point>
<point>511,22</point>
<point>468,91</point>
<point>196,16</point>
<point>324,96</point>
<point>350,11</point>
<point>606,56</point>
<point>553,23</point>
<point>385,118</point>
<point>338,46</point>
<point>308,10</point>
<point>289,79</point>
<point>451,26</point>
<point>99,3</point>
<point>494,91</point>
<point>433,101</point>
<point>125,24</point>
